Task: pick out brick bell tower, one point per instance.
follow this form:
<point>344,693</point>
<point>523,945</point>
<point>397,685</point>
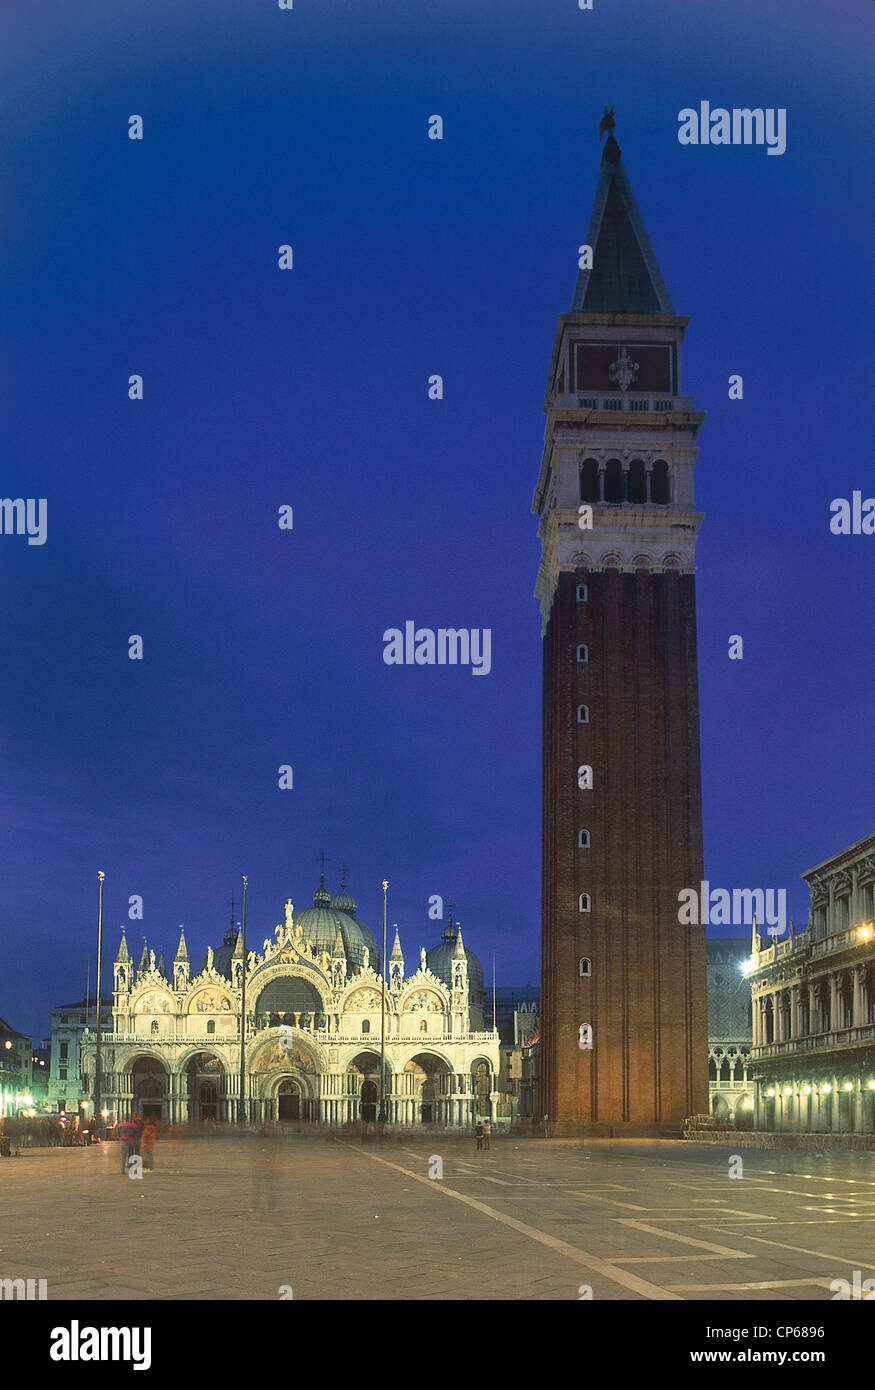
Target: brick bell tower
<point>623,986</point>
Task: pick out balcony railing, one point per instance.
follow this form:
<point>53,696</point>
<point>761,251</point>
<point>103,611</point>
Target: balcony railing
<point>816,1042</point>
<point>321,1035</point>
<point>656,401</point>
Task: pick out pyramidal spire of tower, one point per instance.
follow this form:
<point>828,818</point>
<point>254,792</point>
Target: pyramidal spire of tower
<point>123,949</point>
<point>624,277</point>
<point>181,951</point>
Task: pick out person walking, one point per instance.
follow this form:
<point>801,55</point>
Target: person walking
<point>127,1132</point>
<point>147,1144</point>
<point>487,1133</point>
<point>478,1135</point>
<point>138,1130</point>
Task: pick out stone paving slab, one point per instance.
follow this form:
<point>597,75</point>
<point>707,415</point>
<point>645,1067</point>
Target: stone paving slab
<point>239,1217</point>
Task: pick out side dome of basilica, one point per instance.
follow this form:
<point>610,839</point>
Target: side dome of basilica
<point>440,960</point>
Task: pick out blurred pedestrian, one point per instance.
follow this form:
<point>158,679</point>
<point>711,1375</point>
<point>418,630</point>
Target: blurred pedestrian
<point>127,1133</point>
<point>478,1134</point>
<point>147,1144</point>
<point>487,1133</point>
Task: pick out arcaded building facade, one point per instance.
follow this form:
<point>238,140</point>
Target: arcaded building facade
<point>313,1006</point>
<point>813,1001</point>
<point>729,1031</point>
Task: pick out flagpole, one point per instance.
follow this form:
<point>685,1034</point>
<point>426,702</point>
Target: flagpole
<point>382,1111</point>
<point>97,1052</point>
<point>241,1104</point>
<point>493,991</point>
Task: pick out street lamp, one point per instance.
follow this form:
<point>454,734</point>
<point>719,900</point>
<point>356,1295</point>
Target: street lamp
<point>97,1057</point>
<point>241,1104</point>
<point>382,1111</point>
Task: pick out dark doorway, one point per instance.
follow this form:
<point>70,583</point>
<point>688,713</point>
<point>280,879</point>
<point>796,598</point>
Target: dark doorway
<point>209,1106</point>
<point>290,1106</point>
<point>152,1112</point>
<point>369,1100</point>
<point>289,1097</point>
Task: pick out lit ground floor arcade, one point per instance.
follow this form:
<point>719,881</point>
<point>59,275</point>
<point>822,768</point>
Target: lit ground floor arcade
<point>817,1094</point>
<point>285,1085</point>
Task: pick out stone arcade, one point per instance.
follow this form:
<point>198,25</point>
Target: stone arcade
<point>313,999</point>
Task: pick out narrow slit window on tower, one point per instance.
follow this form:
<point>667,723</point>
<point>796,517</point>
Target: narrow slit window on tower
<point>589,481</point>
<point>584,967</point>
<point>582,595</point>
<point>584,903</point>
<point>583,714</point>
<point>584,777</point>
<point>583,840</point>
<point>583,652</point>
<point>659,488</point>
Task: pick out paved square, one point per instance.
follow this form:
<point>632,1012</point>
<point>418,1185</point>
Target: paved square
<point>240,1217</point>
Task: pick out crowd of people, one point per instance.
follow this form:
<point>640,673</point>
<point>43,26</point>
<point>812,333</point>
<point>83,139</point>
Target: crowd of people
<point>46,1131</point>
<point>138,1137</point>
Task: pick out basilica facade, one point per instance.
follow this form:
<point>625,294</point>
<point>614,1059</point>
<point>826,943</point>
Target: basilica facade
<point>314,1001</point>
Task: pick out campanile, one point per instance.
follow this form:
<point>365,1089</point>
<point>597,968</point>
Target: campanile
<point>623,990</point>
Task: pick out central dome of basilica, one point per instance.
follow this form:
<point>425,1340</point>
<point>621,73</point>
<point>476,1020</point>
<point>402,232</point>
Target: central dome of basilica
<point>321,923</point>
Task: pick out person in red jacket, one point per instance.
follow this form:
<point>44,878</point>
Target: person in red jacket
<point>126,1130</point>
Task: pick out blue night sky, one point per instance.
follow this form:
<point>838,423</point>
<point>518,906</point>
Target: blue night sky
<point>264,647</point>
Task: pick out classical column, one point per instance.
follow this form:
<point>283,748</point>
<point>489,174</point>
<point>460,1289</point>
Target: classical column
<point>859,1016</point>
<point>854,910</point>
<point>794,1011</point>
<point>859,1112</point>
<point>833,1003</point>
<point>836,1107</point>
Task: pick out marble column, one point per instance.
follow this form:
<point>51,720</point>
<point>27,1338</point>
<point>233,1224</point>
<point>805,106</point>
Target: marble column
<point>859,1016</point>
<point>859,1111</point>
